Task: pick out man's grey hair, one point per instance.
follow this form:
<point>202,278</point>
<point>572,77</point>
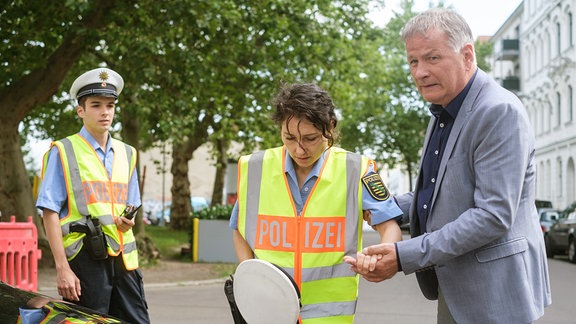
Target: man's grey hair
<point>442,19</point>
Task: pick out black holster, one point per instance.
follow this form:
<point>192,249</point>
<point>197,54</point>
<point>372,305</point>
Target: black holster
<point>229,291</point>
<point>95,239</point>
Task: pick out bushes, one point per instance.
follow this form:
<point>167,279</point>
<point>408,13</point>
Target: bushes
<point>214,212</point>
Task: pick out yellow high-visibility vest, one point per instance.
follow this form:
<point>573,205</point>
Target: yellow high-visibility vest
<point>310,247</point>
<point>92,192</point>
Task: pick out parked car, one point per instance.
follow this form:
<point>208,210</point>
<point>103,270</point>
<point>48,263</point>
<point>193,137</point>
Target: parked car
<point>33,307</point>
<point>161,216</point>
<point>548,216</point>
<point>543,204</point>
<point>561,237</point>
<point>199,203</point>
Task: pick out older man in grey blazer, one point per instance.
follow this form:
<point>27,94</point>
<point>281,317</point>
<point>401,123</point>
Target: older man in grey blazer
<point>476,242</point>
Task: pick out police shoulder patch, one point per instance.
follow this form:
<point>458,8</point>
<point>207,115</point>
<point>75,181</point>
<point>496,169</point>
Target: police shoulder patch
<point>375,186</point>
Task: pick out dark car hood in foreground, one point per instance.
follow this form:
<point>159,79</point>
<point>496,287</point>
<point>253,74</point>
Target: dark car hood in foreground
<point>12,299</point>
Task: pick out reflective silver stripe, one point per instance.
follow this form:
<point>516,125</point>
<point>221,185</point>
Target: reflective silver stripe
<point>106,220</point>
<point>328,309</point>
<point>335,271</point>
<point>289,271</point>
<point>130,247</point>
<point>353,169</point>
<point>112,244</point>
<point>65,229</point>
<point>75,178</point>
<point>73,248</point>
<point>128,155</point>
<point>253,195</point>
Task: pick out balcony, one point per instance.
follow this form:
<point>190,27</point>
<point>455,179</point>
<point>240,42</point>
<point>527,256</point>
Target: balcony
<point>509,50</point>
<point>511,83</point>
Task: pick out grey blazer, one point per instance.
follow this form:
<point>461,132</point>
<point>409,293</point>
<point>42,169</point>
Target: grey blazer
<point>484,247</point>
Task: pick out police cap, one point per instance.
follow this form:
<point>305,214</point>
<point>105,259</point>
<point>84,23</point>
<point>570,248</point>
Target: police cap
<point>97,82</point>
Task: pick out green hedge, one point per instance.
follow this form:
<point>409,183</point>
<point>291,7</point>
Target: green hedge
<point>214,212</point>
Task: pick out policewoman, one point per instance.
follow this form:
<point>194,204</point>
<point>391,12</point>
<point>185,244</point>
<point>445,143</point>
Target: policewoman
<point>300,206</point>
<point>89,179</point>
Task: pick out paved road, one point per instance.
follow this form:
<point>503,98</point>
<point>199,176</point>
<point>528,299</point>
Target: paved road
<point>395,301</point>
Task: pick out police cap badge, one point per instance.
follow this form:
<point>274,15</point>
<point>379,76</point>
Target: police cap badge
<point>97,82</point>
<point>375,186</point>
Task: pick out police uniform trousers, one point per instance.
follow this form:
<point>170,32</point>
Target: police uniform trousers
<point>109,288</point>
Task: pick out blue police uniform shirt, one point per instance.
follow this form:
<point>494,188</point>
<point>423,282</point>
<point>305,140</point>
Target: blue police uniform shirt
<point>381,210</point>
<point>431,163</point>
<point>53,194</point>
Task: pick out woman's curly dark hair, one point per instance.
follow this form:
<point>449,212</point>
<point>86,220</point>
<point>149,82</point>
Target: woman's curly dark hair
<point>306,101</point>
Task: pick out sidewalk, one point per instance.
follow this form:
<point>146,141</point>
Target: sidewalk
<point>164,273</point>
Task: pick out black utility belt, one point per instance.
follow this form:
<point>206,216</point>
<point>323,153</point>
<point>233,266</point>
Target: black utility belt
<point>95,239</point>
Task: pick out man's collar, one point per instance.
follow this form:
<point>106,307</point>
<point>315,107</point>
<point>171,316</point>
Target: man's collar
<point>90,139</point>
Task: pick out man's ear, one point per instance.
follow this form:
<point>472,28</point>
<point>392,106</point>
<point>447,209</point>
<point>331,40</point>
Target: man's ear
<point>469,55</point>
<point>80,111</point>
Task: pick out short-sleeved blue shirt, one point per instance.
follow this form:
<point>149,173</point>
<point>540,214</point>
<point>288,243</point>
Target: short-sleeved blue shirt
<point>53,194</point>
<point>381,211</point>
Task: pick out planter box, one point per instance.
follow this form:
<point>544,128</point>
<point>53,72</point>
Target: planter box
<point>215,242</point>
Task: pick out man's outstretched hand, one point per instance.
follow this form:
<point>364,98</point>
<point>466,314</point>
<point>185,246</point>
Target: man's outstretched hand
<point>375,263</point>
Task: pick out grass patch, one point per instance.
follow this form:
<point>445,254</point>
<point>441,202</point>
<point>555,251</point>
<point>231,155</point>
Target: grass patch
<point>169,242</point>
<point>224,269</point>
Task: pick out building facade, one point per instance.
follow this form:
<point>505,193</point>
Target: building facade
<point>534,57</point>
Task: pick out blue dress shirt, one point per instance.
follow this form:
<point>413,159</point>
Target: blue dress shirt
<point>433,155</point>
<point>53,194</point>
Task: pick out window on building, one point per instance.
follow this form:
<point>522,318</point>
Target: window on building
<point>558,108</point>
<point>548,117</point>
<point>570,104</point>
<point>549,45</point>
<point>559,178</point>
<point>558,34</point>
<point>570,32</point>
<point>548,180</point>
<point>540,54</point>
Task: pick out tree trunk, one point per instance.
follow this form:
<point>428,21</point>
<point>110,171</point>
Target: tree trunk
<point>410,171</point>
<point>221,166</point>
<point>182,152</point>
<point>15,187</point>
<point>181,207</point>
<point>130,135</point>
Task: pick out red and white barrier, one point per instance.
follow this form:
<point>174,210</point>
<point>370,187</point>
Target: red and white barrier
<point>19,254</point>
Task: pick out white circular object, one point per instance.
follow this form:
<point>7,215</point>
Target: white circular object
<point>265,294</point>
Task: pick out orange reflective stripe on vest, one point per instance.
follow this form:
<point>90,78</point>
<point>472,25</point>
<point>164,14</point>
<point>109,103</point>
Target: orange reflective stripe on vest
<point>321,234</point>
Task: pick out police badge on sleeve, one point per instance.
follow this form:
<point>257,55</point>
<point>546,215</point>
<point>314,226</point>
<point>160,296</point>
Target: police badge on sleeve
<point>376,187</point>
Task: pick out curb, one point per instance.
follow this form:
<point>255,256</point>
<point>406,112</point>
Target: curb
<point>185,283</point>
<point>161,284</point>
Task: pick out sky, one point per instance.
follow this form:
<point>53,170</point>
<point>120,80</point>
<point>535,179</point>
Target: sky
<point>484,16</point>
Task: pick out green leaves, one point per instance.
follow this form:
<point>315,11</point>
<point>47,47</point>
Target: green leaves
<point>206,70</point>
<point>214,212</point>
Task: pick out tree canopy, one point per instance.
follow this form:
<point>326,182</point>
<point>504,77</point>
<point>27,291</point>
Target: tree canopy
<point>199,71</point>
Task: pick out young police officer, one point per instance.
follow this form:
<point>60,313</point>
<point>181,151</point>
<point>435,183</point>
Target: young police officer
<point>89,179</point>
<point>301,205</point>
